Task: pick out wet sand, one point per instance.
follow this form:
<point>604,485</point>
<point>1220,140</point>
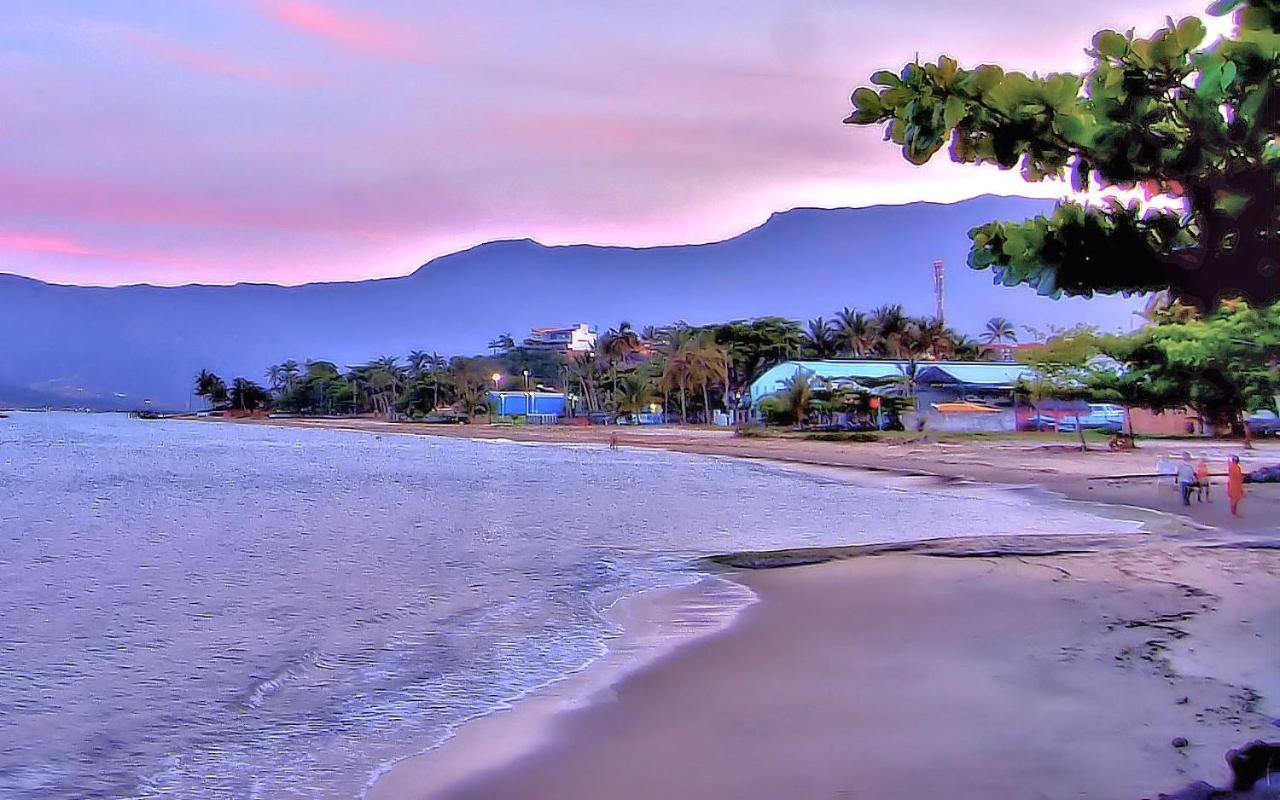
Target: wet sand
<point>919,676</point>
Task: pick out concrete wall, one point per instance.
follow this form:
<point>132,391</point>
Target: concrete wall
<point>936,422</point>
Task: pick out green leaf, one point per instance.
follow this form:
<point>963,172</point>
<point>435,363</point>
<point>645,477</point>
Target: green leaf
<point>1075,129</point>
<point>988,77</point>
<point>947,69</point>
<point>886,78</point>
<point>1062,90</point>
<point>1227,74</point>
<point>1111,44</point>
<point>1191,33</point>
<point>1253,102</point>
<point>954,111</point>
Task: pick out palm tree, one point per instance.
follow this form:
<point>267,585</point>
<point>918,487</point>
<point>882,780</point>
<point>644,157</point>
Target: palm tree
<point>678,365</point>
<point>892,329</point>
<point>211,387</point>
<point>633,394</point>
<point>584,367</point>
<point>419,364</point>
<point>290,370</point>
<point>502,342</point>
<point>854,332</point>
<point>999,330</point>
<point>386,377</point>
<point>247,395</point>
<point>964,348</point>
<point>820,337</point>
<point>936,339</point>
<point>617,345</point>
<point>275,377</point>
<point>709,363</point>
<point>797,395</point>
<point>435,365</point>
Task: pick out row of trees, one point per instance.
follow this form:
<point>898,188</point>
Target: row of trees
<point>1221,365</point>
<point>888,332</point>
<point>687,369</point>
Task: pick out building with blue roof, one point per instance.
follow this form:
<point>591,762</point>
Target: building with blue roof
<point>991,384</point>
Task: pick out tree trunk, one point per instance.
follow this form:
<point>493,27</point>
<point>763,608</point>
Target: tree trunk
<point>684,408</point>
<point>1248,438</point>
<point>706,404</point>
<point>1128,420</point>
<point>1084,446</point>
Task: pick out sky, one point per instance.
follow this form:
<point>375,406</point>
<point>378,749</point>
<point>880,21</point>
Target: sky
<point>292,141</point>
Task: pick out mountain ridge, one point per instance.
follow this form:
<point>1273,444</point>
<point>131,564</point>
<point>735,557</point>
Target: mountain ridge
<point>148,341</point>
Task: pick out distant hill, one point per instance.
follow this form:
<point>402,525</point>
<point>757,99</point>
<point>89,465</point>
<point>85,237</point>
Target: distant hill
<point>86,344</point>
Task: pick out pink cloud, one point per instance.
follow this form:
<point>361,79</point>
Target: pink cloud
<point>41,243</point>
<point>360,32</point>
<point>210,62</point>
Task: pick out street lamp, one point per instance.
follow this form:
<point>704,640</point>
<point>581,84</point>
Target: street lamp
<point>528,398</point>
<point>497,385</point>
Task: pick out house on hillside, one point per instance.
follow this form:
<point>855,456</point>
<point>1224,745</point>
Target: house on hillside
<point>578,338</point>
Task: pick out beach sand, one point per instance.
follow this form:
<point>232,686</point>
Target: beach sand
<point>1046,667</point>
<point>920,676</point>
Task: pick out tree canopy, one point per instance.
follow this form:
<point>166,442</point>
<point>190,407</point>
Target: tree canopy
<point>1197,127</point>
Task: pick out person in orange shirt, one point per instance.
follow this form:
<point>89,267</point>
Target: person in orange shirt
<point>1202,480</point>
<point>1235,484</point>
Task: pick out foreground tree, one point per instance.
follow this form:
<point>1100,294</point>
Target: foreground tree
<point>1198,127</point>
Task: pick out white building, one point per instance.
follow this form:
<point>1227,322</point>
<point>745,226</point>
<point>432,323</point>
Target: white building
<point>575,339</point>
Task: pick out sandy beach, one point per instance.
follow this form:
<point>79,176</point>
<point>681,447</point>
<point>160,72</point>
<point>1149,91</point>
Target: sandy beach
<point>1053,667</point>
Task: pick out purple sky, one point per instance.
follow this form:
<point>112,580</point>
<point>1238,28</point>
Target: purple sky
<point>175,141</point>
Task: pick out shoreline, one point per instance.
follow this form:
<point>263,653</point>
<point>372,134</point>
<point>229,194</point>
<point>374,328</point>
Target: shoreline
<point>651,625</point>
<point>537,729</point>
<point>1056,676</point>
<point>1009,463</point>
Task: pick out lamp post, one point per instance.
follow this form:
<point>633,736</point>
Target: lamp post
<point>528,396</point>
<point>497,384</point>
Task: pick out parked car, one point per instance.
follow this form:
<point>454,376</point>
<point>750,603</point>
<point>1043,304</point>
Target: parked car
<point>1263,423</point>
<point>447,418</point>
<point>1101,417</point>
<point>1040,422</point>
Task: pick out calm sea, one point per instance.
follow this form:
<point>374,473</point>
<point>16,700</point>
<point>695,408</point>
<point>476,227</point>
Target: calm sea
<point>217,611</point>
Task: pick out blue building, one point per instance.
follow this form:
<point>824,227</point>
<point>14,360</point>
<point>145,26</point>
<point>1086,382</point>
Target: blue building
<point>528,404</point>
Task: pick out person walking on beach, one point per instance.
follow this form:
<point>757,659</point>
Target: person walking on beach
<point>1186,478</point>
<point>1235,484</point>
<point>1202,481</point>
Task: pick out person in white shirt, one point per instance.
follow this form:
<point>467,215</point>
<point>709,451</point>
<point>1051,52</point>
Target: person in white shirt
<point>1187,481</point>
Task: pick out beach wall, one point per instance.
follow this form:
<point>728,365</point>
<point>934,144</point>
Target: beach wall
<point>998,422</point>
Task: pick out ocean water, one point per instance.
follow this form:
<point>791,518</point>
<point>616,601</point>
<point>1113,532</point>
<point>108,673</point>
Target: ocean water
<point>217,611</point>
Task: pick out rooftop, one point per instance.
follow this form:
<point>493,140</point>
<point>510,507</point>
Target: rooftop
<point>867,371</point>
